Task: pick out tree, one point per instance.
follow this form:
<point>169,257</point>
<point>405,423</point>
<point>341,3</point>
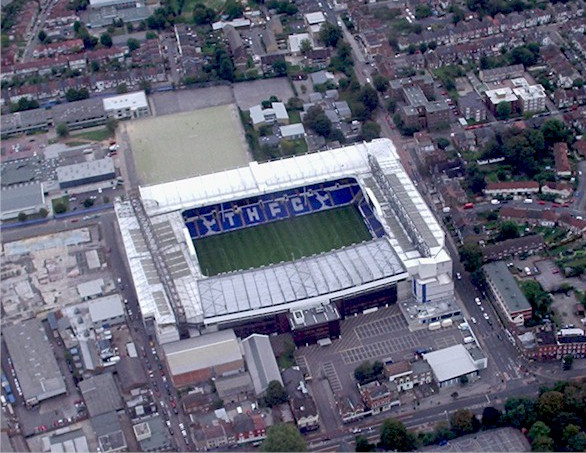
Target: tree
<point>462,422</point>
<point>122,88</point>
<point>283,437</point>
<point>42,36</point>
<point>362,444</point>
<point>233,9</point>
<point>550,404</point>
<point>507,230</point>
<point>370,130</point>
<point>111,125</point>
<point>567,362</point>
<point>133,44</point>
<point>62,130</point>
<point>471,257</point>
<point>43,212</point>
<point>280,67</point>
<point>423,11</point>
<point>317,120</point>
<point>394,436</point>
<point>464,380</point>
<point>106,40</point>
<point>542,443</point>
<point>330,34</point>
<point>88,203</point>
<point>539,429</point>
<point>145,85</point>
<point>23,104</point>
<point>73,95</point>
<point>490,417</point>
<point>305,46</point>
<point>59,207</point>
<point>22,216</point>
<point>475,179</point>
<point>503,110</point>
<point>577,442</point>
<point>381,83</point>
<point>368,97</point>
<point>275,394</point>
<point>443,143</point>
<point>226,69</point>
<point>554,131</point>
<point>519,412</point>
<point>203,15</point>
<point>367,372</point>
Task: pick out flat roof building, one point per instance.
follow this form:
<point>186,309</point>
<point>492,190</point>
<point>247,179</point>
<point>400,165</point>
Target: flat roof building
<point>509,297</point>
<point>36,367</point>
<point>79,114</point>
<point>107,310</point>
<point>261,362</point>
<point>23,122</point>
<point>28,199</point>
<point>128,105</point>
<point>198,359</point>
<point>450,364</point>
<point>531,98</point>
<point>276,113</point>
<point>296,40</point>
<point>86,172</point>
<point>100,394</point>
<point>293,131</point>
<point>91,289</point>
<point>109,432</point>
<point>498,95</point>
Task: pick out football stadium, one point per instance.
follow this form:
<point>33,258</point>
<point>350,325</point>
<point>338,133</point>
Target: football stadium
<point>291,245</point>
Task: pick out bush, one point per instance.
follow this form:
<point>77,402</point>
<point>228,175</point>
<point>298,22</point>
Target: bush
<point>59,207</point>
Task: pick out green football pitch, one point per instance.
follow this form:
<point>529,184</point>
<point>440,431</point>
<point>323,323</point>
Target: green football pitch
<point>282,240</point>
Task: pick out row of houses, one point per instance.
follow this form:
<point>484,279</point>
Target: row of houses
<point>466,31</point>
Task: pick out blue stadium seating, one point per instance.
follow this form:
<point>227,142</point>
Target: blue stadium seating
<point>229,216</point>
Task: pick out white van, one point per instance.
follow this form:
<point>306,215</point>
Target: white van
<point>468,340</point>
<point>528,200</point>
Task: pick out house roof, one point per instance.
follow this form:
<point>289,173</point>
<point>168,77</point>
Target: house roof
<point>291,130</point>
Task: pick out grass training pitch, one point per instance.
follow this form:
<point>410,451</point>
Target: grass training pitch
<point>171,147</point>
<point>282,240</point>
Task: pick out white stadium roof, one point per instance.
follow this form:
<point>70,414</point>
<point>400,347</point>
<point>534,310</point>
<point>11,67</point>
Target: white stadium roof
<point>289,285</point>
<point>260,290</point>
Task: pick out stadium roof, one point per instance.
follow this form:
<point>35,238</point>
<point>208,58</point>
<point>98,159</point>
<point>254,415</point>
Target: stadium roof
<point>450,363</point>
<point>202,352</point>
<point>260,290</point>
<point>36,367</point>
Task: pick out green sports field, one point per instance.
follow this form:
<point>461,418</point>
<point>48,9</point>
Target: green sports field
<point>283,240</point>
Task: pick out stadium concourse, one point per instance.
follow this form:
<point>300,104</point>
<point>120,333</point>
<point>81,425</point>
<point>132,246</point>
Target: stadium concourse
<point>292,245</point>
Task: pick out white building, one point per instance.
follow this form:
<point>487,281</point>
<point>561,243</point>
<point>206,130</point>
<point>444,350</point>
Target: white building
<point>451,364</point>
<point>277,113</point>
<point>408,247</point>
<point>498,95</point>
<point>106,310</point>
<point>293,131</point>
<point>296,40</point>
<point>531,98</point>
<point>127,106</point>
